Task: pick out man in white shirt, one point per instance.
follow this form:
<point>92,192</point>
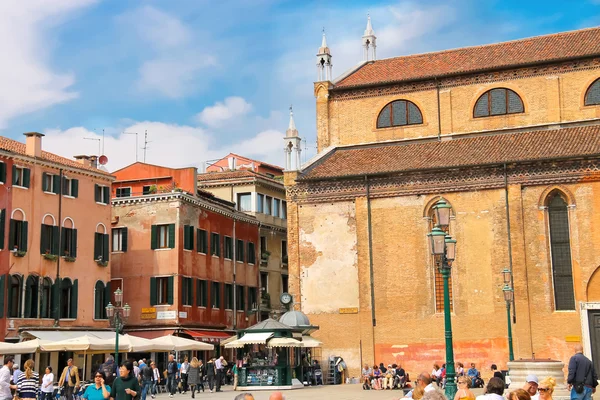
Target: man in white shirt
<point>219,376</point>
<point>5,376</point>
<point>531,386</point>
<point>493,391</point>
<point>424,381</point>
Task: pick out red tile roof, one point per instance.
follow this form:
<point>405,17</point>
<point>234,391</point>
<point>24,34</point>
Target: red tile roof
<point>16,147</point>
<point>534,50</point>
<point>378,159</point>
<point>232,175</point>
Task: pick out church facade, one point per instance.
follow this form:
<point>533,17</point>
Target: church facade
<point>509,135</point>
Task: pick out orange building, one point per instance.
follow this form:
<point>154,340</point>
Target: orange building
<point>54,220</point>
<point>233,162</point>
<point>185,260</point>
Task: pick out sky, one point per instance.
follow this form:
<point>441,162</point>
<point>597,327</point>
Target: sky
<point>206,78</point>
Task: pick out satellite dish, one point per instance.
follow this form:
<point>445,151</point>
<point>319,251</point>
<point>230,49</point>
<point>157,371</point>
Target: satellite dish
<point>103,160</point>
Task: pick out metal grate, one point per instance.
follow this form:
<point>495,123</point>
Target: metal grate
<point>399,113</point>
<point>560,249</point>
<point>592,95</point>
<point>499,101</point>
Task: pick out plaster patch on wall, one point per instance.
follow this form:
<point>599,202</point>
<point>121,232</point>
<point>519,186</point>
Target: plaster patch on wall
<point>333,280</point>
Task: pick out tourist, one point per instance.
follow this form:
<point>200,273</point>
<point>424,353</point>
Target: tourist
<point>400,378</point>
<point>436,374</point>
<point>210,373</point>
<point>126,386</point>
<point>417,393</point>
<point>172,371</point>
<point>110,370</point>
<point>147,379</point>
<point>219,366</point>
<point>48,384</point>
<point>193,377</point>
<point>472,373</point>
<point>136,370</point>
<point>464,392</point>
<point>494,390</point>
<point>460,370</point>
<point>243,396</point>
<point>5,378</point>
<point>367,371</point>
<point>497,374</point>
<point>546,388</point>
<point>582,378</point>
<point>382,368</point>
<point>183,371</point>
<point>28,383</point>
<point>519,394</point>
<point>201,376</point>
<point>388,380</point>
<point>235,371</point>
<point>69,379</point>
<point>434,395</point>
<point>16,373</point>
<point>276,396</point>
<point>156,375</point>
<point>99,390</point>
<point>376,381</point>
<point>531,386</point>
<point>424,383</point>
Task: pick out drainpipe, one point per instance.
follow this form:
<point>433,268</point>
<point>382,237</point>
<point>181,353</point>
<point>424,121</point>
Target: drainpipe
<point>510,259</point>
<point>57,281</point>
<point>371,275</point>
<point>234,272</point>
<point>437,86</point>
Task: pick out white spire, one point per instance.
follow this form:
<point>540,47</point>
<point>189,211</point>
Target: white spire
<point>293,144</point>
<point>291,130</point>
<point>369,31</point>
<point>369,41</point>
<point>324,41</point>
<point>324,61</point>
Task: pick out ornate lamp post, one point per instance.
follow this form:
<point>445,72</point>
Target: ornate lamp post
<point>509,297</point>
<point>443,248</point>
<point>118,317</point>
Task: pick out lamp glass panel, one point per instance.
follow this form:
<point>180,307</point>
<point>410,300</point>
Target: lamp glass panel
<point>450,250</point>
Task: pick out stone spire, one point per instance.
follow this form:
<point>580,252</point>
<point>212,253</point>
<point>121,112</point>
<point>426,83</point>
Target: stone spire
<point>292,146</point>
<point>291,130</point>
<point>324,61</point>
<point>369,41</point>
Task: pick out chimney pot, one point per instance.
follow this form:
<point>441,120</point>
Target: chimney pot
<point>84,160</point>
<point>33,144</point>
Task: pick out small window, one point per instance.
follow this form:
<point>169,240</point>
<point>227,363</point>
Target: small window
<point>69,242</point>
<point>123,192</point>
<point>228,296</point>
<point>252,299</point>
<point>102,194</point>
<point>499,101</point>
<point>202,241</point>
<point>251,253</point>
<point>15,295</point>
<point>264,282</point>
<point>239,251</point>
<point>239,298</point>
<point>187,294</point>
<point>244,201</point>
<point>2,232</point>
<point>68,299</point>
<point>268,204</point>
<point>2,172</point>
<point>21,176</point>
<point>284,252</point>
<point>592,96</point>
<point>146,190</point>
<point>260,202</point>
<point>216,295</point>
<point>276,207</point>
<point>17,235</point>
<point>119,240</point>
<point>263,246</point>
<point>399,113</point>
<point>201,293</point>
<point>228,248</point>
<point>285,284</point>
<point>49,240</point>
<point>70,187</point>
<point>162,290</point>
<point>283,214</point>
<point>163,236</point>
<point>215,244</point>
<point>101,247</point>
<point>188,237</point>
<point>50,183</point>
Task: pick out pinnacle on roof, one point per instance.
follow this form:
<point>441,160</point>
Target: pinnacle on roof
<point>291,130</point>
<point>369,31</point>
<point>324,49</point>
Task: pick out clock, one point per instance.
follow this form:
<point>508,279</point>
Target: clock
<point>285,298</point>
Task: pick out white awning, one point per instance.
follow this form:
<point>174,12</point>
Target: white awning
<point>309,341</point>
<point>176,343</point>
<point>55,336</point>
<point>228,340</point>
<point>250,338</point>
<point>83,343</point>
<point>284,342</point>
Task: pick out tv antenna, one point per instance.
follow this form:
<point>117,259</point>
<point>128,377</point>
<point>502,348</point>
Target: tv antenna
<point>136,144</point>
<point>101,152</point>
<point>146,143</point>
<point>99,143</point>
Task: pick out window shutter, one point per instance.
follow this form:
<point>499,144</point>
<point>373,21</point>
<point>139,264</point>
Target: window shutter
<point>74,296</point>
<point>44,182</point>
<point>56,184</point>
<point>198,292</point>
<point>75,187</point>
<point>73,249</point>
<point>55,294</point>
<point>55,240</point>
<point>170,283</point>
<point>107,294</point>
<point>63,241</point>
<point>152,291</point>
<point>24,236</point>
<point>12,232</point>
<point>2,294</point>
<point>154,237</point>
<point>2,172</point>
<point>105,251</point>
<point>97,193</point>
<point>65,187</point>
<point>191,235</point>
<point>44,301</point>
<point>9,296</point>
<point>2,228</point>
<point>106,195</point>
<point>98,295</point>
<point>26,177</point>
<point>14,175</point>
<point>124,239</point>
<point>97,246</point>
<point>172,236</point>
<point>28,299</point>
<point>44,245</point>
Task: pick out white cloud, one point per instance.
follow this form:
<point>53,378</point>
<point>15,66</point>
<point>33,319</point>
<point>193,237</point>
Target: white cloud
<point>224,111</point>
<point>27,83</point>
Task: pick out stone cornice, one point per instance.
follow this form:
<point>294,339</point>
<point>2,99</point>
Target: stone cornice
<point>464,80</point>
<point>241,182</point>
<point>450,180</point>
<point>184,197</point>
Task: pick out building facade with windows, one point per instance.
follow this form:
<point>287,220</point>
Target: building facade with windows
<point>263,196</point>
<point>50,255</point>
<point>509,135</point>
<point>186,261</point>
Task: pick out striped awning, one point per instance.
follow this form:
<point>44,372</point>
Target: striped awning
<point>250,338</point>
<point>284,342</point>
<point>309,341</point>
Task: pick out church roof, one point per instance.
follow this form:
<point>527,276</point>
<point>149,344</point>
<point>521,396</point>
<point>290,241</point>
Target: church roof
<point>269,324</point>
<point>535,50</point>
<point>457,151</point>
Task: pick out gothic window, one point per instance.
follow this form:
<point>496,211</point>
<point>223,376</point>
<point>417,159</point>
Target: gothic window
<point>398,113</point>
<point>15,291</point>
<point>560,251</point>
<point>32,290</point>
<point>438,278</point>
<point>498,101</point>
<point>592,96</point>
<point>68,299</point>
<point>46,306</point>
<point>101,297</point>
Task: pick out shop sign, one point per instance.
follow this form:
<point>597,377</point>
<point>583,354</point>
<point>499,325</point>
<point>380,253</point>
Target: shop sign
<point>149,310</point>
<point>351,310</point>
<point>573,339</point>
<point>148,316</point>
<point>182,314</point>
<point>166,315</point>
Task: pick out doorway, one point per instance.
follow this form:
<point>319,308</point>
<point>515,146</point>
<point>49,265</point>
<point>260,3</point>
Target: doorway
<point>594,322</point>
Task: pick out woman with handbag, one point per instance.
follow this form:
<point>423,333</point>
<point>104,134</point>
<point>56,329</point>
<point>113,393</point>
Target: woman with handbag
<point>28,383</point>
<point>210,373</point>
<point>193,375</point>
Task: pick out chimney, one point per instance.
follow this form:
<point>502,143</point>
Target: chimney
<point>33,144</point>
<point>231,162</point>
<point>84,160</point>
<point>94,161</point>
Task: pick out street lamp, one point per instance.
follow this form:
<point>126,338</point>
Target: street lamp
<point>118,316</point>
<point>443,248</point>
<point>509,297</point>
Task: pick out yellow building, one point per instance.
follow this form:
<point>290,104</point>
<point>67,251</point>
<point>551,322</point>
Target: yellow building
<point>509,135</point>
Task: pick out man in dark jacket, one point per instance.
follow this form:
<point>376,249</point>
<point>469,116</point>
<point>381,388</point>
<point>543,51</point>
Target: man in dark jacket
<point>582,378</point>
<point>172,371</point>
<point>110,370</point>
<point>147,378</point>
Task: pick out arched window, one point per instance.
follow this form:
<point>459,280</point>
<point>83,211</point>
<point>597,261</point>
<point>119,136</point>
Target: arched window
<point>438,278</point>
<point>398,113</point>
<point>101,298</point>
<point>68,299</point>
<point>498,101</point>
<point>32,290</point>
<point>592,96</point>
<point>560,251</point>
<point>15,296</point>
<point>46,306</point>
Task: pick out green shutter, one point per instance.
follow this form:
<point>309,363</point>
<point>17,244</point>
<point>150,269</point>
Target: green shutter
<point>107,294</point>
<point>55,240</point>
<point>75,187</point>
<point>9,296</point>
<point>186,239</point>
<point>44,239</point>
<point>2,172</point>
<point>98,303</point>
<point>170,283</point>
<point>56,184</point>
<point>73,249</point>
<point>43,301</point>
<point>44,182</point>
<point>12,231</point>
<point>24,236</point>
<point>2,228</point>
<point>198,292</point>
<point>105,251</point>
<point>97,193</point>
<point>26,177</point>
<point>2,294</point>
<point>55,296</point>
<point>154,237</point>
<point>63,241</point>
<point>97,246</point>
<point>172,236</point>
<point>28,296</point>
<point>14,175</point>
<point>152,291</point>
<point>124,239</point>
<point>106,195</point>
<point>74,296</point>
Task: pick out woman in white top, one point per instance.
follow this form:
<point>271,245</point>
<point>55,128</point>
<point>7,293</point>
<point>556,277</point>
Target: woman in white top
<point>156,374</point>
<point>48,384</point>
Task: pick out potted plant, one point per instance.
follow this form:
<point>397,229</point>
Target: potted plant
<point>49,256</point>
<point>153,189</point>
<point>19,253</point>
<point>68,258</point>
<point>101,262</point>
<point>265,255</point>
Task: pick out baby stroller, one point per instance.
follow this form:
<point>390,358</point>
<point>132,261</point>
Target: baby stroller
<point>318,376</point>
